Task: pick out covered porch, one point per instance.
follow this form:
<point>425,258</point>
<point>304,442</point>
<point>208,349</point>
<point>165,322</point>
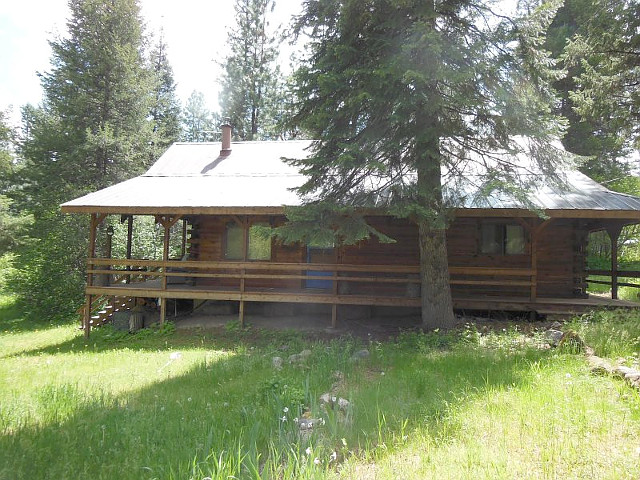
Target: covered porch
<point>332,284</point>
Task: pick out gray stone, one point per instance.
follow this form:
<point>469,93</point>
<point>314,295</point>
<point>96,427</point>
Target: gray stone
<point>553,337</point>
<point>555,326</point>
<point>360,355</point>
<point>326,399</point>
<point>277,363</point>
<point>299,357</point>
<point>309,423</point>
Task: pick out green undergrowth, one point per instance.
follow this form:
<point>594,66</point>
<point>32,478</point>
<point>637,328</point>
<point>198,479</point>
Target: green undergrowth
<point>165,404</point>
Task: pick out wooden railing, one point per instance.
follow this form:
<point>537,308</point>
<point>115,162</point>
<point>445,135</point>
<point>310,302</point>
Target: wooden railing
<point>274,272</point>
<point>391,285</point>
<point>614,281</point>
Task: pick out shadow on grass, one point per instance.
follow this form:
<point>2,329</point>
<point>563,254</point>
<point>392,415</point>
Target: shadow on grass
<point>13,319</point>
<point>108,339</point>
<point>230,411</point>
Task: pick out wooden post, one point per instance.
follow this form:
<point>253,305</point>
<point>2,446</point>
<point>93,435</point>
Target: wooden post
<point>165,258</point>
<point>184,238</point>
<point>245,256</point>
<point>535,236</point>
<point>129,236</point>
<point>614,234</point>
<point>95,221</point>
<point>167,222</point>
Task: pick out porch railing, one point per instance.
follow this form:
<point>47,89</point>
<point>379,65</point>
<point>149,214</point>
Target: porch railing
<point>227,272</point>
<point>614,279</point>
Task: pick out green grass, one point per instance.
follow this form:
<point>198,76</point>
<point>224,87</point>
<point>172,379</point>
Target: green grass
<point>459,405</point>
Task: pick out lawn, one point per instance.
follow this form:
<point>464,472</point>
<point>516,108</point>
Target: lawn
<point>164,404</point>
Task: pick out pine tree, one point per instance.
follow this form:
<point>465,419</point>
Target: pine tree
<point>606,49</point>
<point>198,123</point>
<point>591,136</point>
<point>398,94</point>
<point>250,76</point>
<point>165,110</point>
<point>92,130</point>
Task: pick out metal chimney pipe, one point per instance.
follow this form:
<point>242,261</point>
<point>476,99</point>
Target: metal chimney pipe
<point>226,139</point>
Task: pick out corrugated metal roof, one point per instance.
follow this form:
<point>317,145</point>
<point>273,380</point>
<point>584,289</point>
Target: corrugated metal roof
<point>195,177</point>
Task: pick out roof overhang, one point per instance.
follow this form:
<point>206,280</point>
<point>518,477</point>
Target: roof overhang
<point>627,215</point>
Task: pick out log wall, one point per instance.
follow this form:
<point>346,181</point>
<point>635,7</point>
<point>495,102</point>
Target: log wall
<point>560,262</point>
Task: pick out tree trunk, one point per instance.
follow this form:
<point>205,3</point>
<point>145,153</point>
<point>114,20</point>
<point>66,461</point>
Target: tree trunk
<point>437,307</point>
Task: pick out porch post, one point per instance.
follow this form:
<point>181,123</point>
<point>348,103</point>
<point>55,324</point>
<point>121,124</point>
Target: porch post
<point>614,234</point>
<point>535,236</point>
<point>165,258</point>
<point>167,222</point>
<point>245,257</point>
<point>95,221</point>
<point>129,236</point>
<point>184,238</point>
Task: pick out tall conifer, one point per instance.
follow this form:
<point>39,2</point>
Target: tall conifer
<point>399,94</point>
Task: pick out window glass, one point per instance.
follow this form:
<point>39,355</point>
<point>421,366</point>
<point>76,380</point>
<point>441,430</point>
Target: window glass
<point>514,239</point>
<point>502,239</point>
<point>259,243</point>
<point>490,238</point>
<point>233,242</point>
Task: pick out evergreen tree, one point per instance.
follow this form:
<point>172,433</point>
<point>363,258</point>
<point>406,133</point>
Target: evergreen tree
<point>92,130</point>
<point>398,94</point>
<point>99,88</point>
<point>13,225</point>
<point>589,135</point>
<point>606,48</point>
<point>165,110</point>
<point>251,77</point>
<point>198,123</point>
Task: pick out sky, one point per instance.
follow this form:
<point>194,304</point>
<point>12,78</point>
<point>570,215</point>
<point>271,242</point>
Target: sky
<point>194,30</point>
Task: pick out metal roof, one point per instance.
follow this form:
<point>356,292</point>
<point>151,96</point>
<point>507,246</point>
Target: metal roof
<point>195,178</point>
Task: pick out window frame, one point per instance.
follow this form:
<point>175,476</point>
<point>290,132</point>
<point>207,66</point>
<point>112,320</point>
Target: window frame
<point>245,229</point>
<point>503,241</point>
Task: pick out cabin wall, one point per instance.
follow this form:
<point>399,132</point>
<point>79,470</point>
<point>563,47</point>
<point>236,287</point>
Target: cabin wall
<point>207,245</point>
<point>561,256</point>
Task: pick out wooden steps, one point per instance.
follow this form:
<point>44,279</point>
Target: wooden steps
<point>105,307</point>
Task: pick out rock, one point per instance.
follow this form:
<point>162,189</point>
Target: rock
<point>299,357</point>
<point>309,423</point>
<point>555,326</point>
<point>360,355</point>
<point>553,337</point>
<point>277,363</point>
<point>333,401</point>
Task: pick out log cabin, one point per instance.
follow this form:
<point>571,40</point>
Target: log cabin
<point>503,255</point>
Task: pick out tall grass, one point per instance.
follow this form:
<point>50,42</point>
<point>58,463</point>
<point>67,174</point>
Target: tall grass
<point>169,405</point>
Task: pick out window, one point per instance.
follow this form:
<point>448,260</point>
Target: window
<point>259,245</point>
<point>501,239</point>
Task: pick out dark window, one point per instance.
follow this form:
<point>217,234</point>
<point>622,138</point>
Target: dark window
<point>501,239</point>
<point>259,244</point>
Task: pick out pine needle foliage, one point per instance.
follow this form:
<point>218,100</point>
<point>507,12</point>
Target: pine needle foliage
<point>406,97</point>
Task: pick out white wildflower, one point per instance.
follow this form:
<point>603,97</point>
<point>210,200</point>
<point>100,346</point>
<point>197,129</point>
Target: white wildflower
<point>189,399</point>
<point>285,409</point>
<point>316,461</point>
<point>284,418</point>
<point>308,451</point>
<point>333,457</point>
<point>568,375</point>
